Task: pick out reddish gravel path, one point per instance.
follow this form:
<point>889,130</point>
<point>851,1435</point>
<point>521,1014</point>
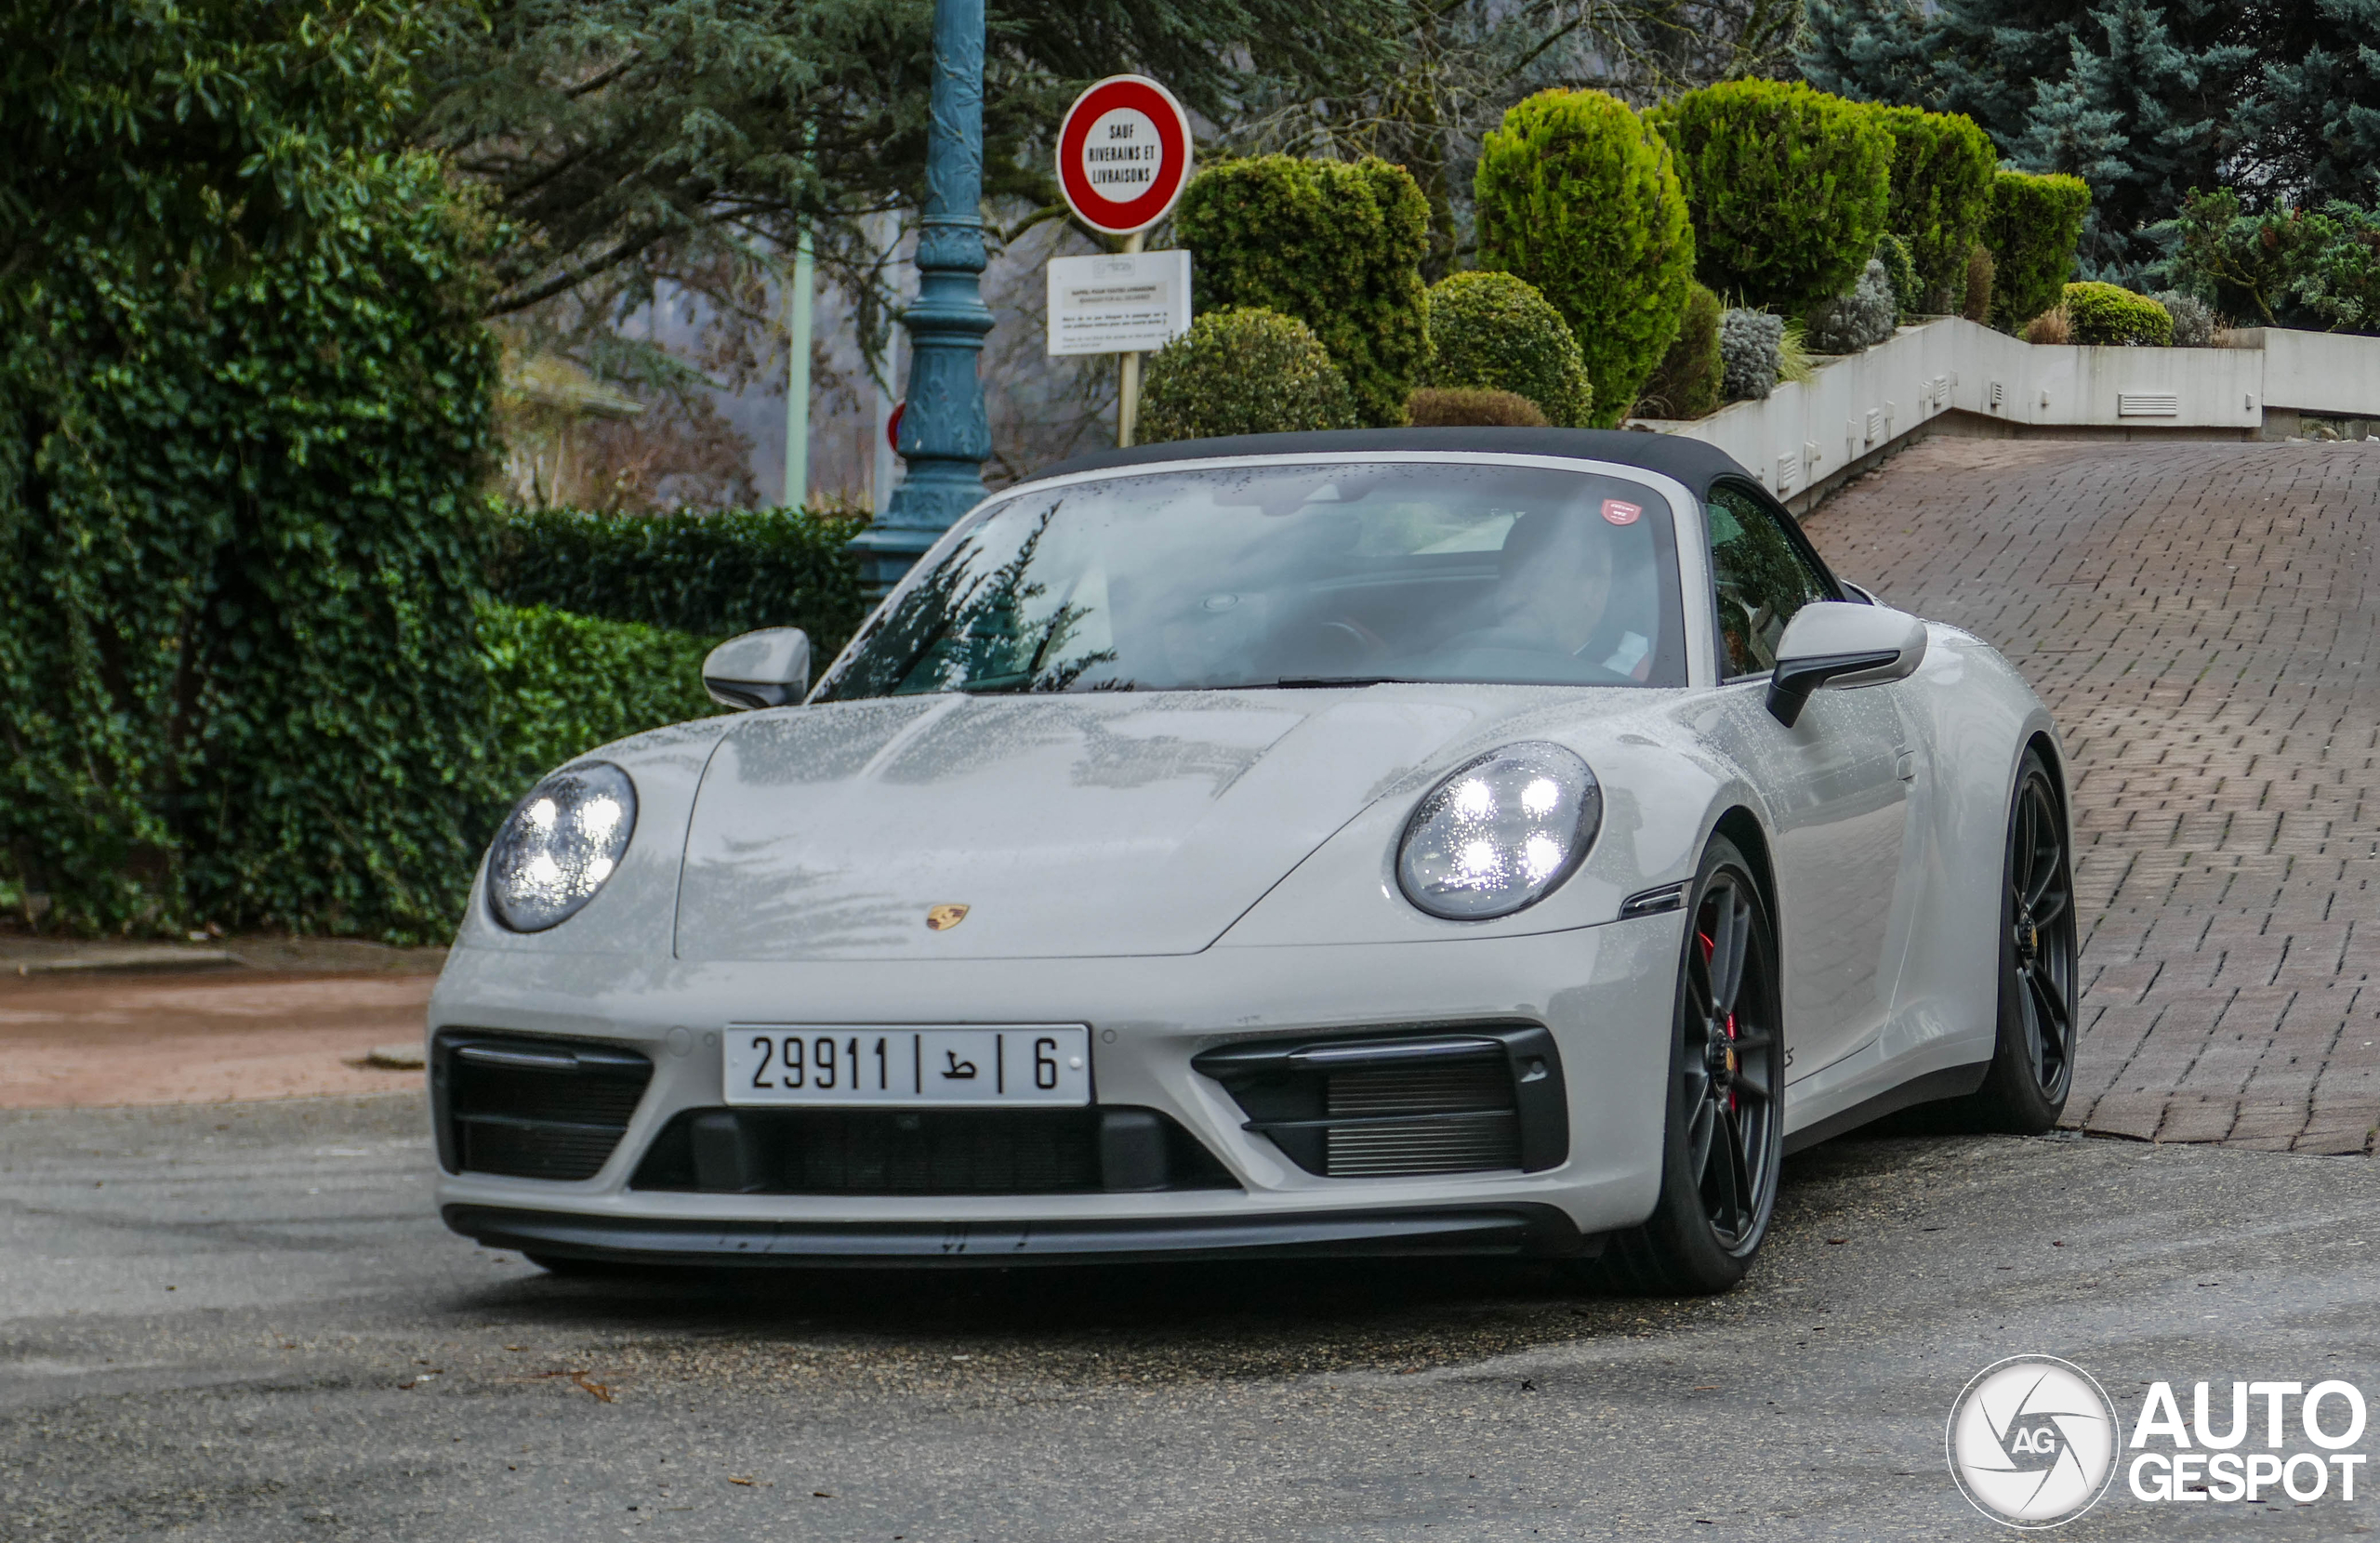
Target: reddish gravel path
<point>202,1038</point>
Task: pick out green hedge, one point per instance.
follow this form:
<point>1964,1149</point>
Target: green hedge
<point>561,684</point>
<point>1336,245</point>
<point>1496,331</point>
<point>1242,372</point>
<point>2105,313</point>
<point>1690,380</point>
<point>2034,225</point>
<point>240,545</point>
<point>1943,166</point>
<point>1577,197</point>
<point>1787,186</point>
<point>713,573</point>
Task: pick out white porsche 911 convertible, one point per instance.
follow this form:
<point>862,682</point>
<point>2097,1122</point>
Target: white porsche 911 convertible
<point>1449,841</point>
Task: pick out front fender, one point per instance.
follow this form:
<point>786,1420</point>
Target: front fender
<point>1662,799</point>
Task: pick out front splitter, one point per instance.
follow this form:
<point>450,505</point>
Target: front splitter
<point>1514,1232</point>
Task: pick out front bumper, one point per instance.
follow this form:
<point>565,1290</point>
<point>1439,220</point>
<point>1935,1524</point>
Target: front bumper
<point>1606,995</point>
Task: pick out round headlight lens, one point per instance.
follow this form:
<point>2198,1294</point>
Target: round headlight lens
<point>559,846</point>
<point>1500,833</point>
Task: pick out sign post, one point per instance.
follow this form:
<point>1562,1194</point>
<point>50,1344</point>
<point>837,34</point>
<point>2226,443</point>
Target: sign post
<point>1123,158</point>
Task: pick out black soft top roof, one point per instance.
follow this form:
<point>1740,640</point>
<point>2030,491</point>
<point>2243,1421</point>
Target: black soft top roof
<point>1689,461</point>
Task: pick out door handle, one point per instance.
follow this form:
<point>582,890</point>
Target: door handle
<point>1905,766</point>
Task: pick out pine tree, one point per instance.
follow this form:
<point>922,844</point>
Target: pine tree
<point>2143,100</point>
<point>2315,122</point>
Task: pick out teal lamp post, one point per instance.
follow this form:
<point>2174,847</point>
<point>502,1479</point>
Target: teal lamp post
<point>945,435</point>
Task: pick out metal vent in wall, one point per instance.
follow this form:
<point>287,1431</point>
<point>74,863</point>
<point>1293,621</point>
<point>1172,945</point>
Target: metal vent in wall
<point>2148,405</point>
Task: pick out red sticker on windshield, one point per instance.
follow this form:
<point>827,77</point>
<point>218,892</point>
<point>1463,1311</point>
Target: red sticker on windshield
<point>1619,513</point>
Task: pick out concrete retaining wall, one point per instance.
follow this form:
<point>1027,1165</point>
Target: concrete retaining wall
<point>1952,376</point>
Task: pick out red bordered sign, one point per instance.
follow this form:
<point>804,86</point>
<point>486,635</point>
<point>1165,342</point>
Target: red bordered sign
<point>1123,154</point>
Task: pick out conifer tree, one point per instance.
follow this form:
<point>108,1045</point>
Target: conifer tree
<point>2144,100</point>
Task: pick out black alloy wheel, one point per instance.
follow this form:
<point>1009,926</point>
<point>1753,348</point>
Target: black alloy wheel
<point>2033,1064</point>
<point>1725,1136</point>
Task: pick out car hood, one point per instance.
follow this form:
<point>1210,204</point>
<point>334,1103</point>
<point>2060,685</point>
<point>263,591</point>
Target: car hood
<point>1066,826</point>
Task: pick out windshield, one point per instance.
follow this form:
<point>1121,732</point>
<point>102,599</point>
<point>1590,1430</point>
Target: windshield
<point>1292,576</point>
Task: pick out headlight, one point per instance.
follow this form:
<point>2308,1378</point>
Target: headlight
<point>559,845</point>
<point>1500,833</point>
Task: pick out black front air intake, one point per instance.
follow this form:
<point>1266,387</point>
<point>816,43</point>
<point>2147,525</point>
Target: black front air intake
<point>1419,1100</point>
<point>926,1152</point>
<point>531,1108</point>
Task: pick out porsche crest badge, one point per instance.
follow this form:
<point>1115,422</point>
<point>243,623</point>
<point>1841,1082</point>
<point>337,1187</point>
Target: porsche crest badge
<point>941,918</point>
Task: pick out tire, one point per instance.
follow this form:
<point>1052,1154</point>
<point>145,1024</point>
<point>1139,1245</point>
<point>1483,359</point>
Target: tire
<point>2032,1058</point>
<point>1722,1136</point>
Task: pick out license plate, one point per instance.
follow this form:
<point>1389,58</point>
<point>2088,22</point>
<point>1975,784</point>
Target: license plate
<point>855,1064</point>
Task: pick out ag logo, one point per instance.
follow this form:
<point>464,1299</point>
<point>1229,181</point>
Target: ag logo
<point>2032,1442</point>
<point>941,918</point>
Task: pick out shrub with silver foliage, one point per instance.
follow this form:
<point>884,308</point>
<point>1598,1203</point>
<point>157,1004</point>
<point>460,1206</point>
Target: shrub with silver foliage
<point>1858,320</point>
<point>2193,320</point>
<point>1748,341</point>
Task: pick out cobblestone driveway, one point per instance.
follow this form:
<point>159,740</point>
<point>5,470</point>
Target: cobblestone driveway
<point>2199,618</point>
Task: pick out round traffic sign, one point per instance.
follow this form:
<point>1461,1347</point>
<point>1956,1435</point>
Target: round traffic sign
<point>1123,154</point>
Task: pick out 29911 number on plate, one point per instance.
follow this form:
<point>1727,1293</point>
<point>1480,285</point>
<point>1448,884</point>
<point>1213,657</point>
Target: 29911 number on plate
<point>861,1065</point>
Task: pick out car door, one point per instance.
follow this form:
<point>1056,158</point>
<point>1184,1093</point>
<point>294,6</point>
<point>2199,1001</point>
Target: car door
<point>1836,786</point>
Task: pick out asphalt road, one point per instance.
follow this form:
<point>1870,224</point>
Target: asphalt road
<point>245,1322</point>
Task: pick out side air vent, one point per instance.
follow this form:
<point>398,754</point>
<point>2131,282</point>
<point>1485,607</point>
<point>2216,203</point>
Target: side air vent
<point>926,1152</point>
<point>1423,1100</point>
<point>531,1108</point>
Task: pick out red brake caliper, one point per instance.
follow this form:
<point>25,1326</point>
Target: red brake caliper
<point>1711,947</point>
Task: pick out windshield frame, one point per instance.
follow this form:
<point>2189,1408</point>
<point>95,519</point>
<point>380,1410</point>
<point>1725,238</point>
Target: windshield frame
<point>1690,536</point>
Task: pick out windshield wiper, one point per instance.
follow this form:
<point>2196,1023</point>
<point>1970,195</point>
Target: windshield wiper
<point>1294,682</point>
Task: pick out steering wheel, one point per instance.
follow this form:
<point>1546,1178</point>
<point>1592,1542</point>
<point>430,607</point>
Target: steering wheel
<point>1343,641</point>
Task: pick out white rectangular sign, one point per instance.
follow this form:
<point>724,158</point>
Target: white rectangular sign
<point>1128,302</point>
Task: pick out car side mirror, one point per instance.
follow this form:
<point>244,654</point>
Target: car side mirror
<point>1835,645</point>
<point>767,668</point>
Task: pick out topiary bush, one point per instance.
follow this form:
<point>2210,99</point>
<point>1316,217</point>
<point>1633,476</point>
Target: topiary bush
<point>2105,313</point>
<point>1859,319</point>
<point>1472,407</point>
<point>1336,245</point>
<point>1976,304</point>
<point>2193,319</point>
<point>564,684</point>
<point>1575,194</point>
<point>1787,188</point>
<point>1751,345</point>
<point>1686,383</point>
<point>1495,330</point>
<point>712,573</point>
<point>1244,370</point>
<point>1942,171</point>
<point>2035,222</point>
<point>1900,274</point>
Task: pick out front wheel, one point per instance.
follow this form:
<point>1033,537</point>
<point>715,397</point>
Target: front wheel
<point>1723,1137</point>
